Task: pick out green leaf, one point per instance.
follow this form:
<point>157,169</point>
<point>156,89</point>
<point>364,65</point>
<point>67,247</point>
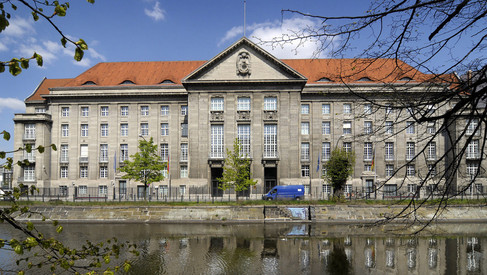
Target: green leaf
<point>59,229</point>
<point>28,148</point>
<point>39,60</point>
<point>60,10</point>
<point>19,249</point>
<point>3,22</point>
<point>24,63</point>
<point>53,147</point>
<point>64,41</point>
<point>6,135</point>
<point>82,44</point>
<point>30,226</point>
<point>2,68</point>
<point>35,16</point>
<point>14,7</point>
<point>78,54</point>
<point>14,68</point>
<point>126,267</point>
<point>2,154</point>
<point>40,148</point>
<point>91,1</point>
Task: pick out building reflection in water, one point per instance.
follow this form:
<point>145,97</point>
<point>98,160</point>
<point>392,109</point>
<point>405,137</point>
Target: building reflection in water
<point>474,255</point>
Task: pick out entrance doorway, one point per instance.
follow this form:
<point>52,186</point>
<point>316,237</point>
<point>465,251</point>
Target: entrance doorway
<point>215,174</point>
<point>270,178</point>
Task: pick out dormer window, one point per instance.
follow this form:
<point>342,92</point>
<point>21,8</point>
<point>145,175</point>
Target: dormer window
<point>406,79</point>
<point>127,82</point>
<point>324,79</point>
<point>89,83</point>
<point>364,79</point>
<point>168,81</point>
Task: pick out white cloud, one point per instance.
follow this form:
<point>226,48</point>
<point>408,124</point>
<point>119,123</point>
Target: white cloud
<point>3,47</point>
<point>156,13</point>
<point>19,27</point>
<point>11,103</point>
<point>266,34</point>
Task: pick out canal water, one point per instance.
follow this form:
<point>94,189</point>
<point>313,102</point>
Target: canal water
<point>286,248</point>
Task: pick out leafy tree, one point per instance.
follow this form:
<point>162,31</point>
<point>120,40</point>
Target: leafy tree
<point>236,171</point>
<point>146,165</point>
<point>47,10</point>
<point>338,168</point>
<point>438,37</point>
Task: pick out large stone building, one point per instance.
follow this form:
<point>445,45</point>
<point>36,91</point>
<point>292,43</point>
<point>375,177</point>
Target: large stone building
<point>287,114</point>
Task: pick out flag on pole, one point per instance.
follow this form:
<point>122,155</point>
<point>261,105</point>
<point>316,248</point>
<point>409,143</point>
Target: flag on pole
<point>373,160</point>
<point>318,165</point>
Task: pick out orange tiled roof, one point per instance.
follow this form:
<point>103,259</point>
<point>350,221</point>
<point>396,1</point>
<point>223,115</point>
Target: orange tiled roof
<point>43,88</point>
<point>156,72</point>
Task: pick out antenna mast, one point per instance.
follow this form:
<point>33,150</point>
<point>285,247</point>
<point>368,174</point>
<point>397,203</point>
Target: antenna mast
<point>245,17</point>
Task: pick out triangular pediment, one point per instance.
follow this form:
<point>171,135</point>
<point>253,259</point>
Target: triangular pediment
<point>244,62</point>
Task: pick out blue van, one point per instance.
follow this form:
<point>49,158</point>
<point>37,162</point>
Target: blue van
<point>285,192</point>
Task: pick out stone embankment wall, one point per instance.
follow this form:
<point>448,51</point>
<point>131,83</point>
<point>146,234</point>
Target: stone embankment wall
<point>253,214</point>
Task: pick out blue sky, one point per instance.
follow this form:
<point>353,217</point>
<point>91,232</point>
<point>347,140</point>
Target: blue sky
<point>144,30</point>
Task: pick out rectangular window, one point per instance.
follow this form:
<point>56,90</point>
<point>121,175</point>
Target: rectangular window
<point>64,153</point>
<point>326,189</point>
<point>347,127</point>
<point>347,146</point>
<point>103,172</point>
<point>304,128</point>
<point>104,111</point>
<point>164,129</point>
<point>389,127</point>
<point>305,151</point>
<point>63,172</point>
<point>163,190</point>
<point>184,129</point>
<point>325,128</point>
<point>124,152</point>
<point>144,129</point>
<point>472,125</point>
<point>368,109</point>
<point>432,170</point>
<point>389,150</point>
<point>29,131</point>
<point>410,150</point>
<point>184,152</point>
<point>389,170</point>
<point>368,127</point>
<point>390,190</point>
<point>182,188</point>
<point>164,110</point>
<point>184,110</point>
<point>412,188</point>
<point>144,110</point>
<point>184,172</point>
<point>65,130</point>
<point>368,151</point>
<point>104,130</point>
<point>431,150</point>
<point>30,156</point>
<point>431,127</point>
<point>473,149</point>
<point>84,130</point>
<point>243,104</point>
<point>389,109</point>
<point>410,127</point>
<point>472,168</point>
<point>103,152</point>
<point>124,129</point>
<point>326,151</point>
<point>65,111</point>
<point>369,186</point>
<point>325,109</point>
<point>270,140</point>
<point>347,108</point>
<point>217,104</point>
<point>164,151</point>
<point>40,110</point>
<point>367,167</point>
<point>410,170</point>
<point>304,170</point>
<point>83,171</point>
<point>83,152</point>
<point>243,135</point>
<point>305,109</point>
<point>102,190</point>
<point>216,147</point>
<point>124,110</point>
<point>83,190</point>
<point>270,103</point>
<point>85,111</point>
<point>29,173</point>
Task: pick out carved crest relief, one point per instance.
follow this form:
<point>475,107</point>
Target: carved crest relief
<point>243,64</point>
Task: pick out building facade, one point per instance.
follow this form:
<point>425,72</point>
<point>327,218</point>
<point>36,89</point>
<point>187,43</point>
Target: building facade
<point>288,116</point>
